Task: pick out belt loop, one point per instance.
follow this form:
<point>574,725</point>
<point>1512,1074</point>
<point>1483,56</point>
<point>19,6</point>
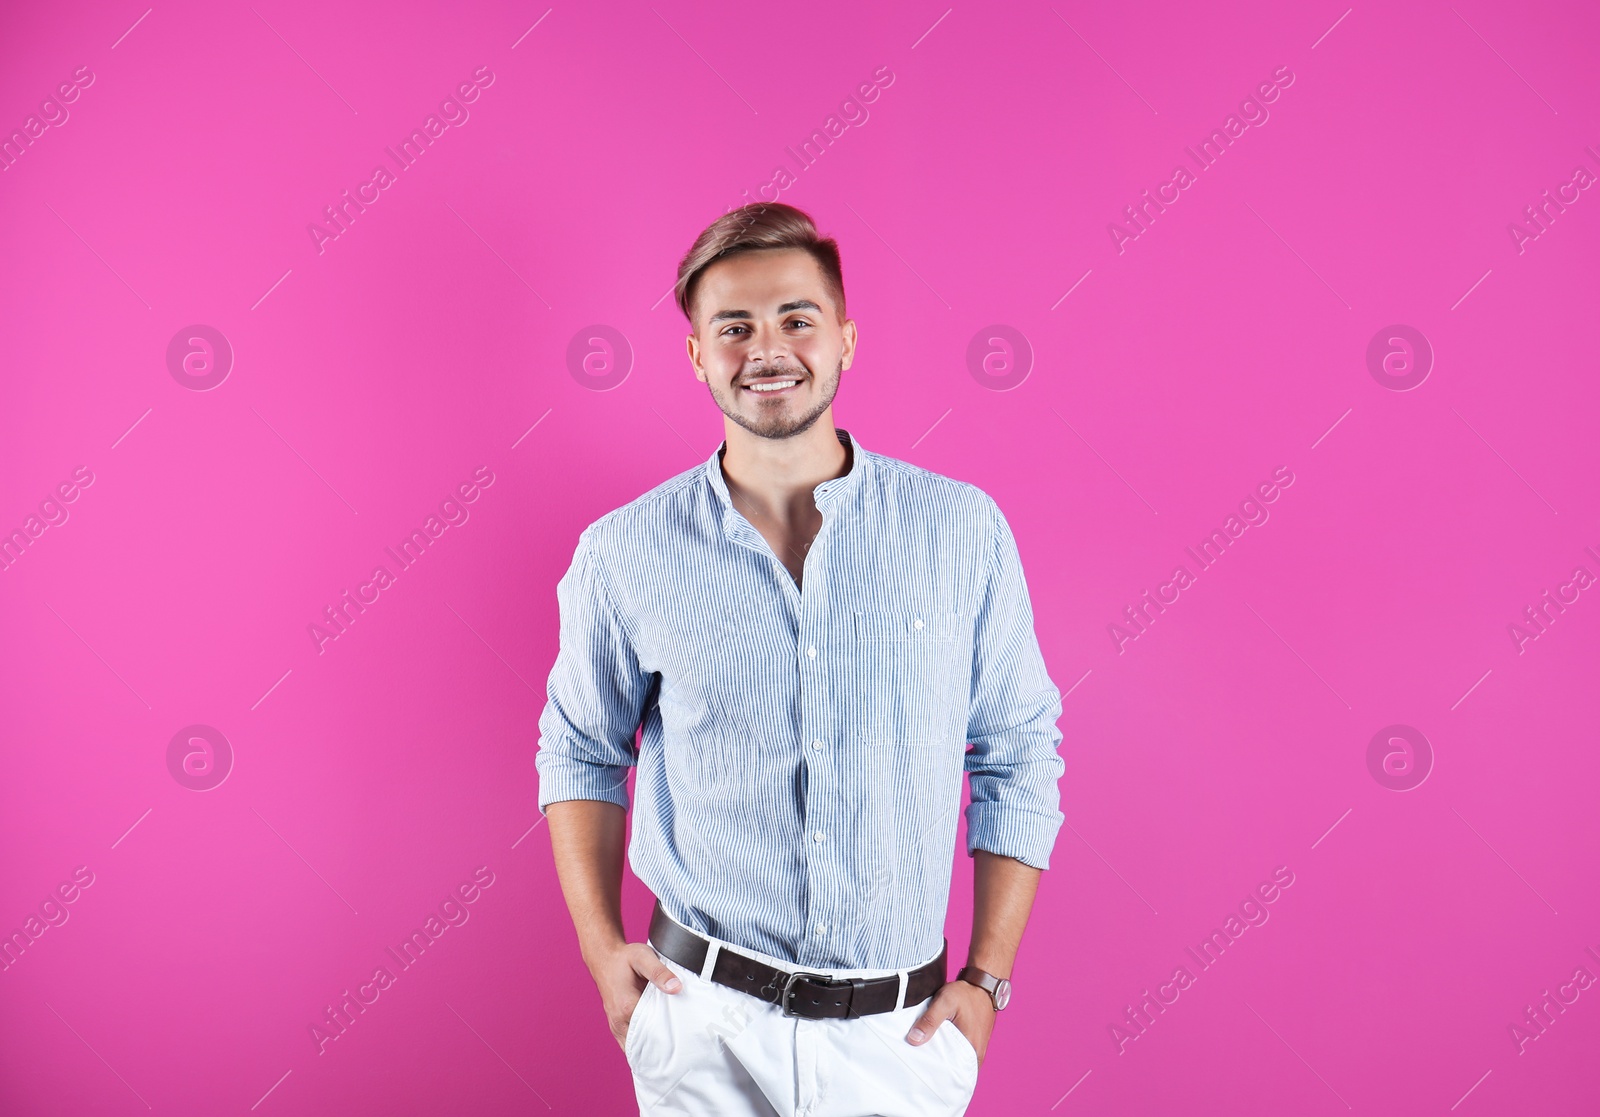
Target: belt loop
<point>900,1000</point>
<point>713,948</point>
<point>857,984</point>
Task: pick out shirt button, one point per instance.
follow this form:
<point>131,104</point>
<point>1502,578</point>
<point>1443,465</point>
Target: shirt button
<point>822,928</point>
<point>918,624</point>
<point>817,745</point>
<point>819,836</point>
<point>812,652</point>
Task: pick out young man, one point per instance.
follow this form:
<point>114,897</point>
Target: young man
<point>810,635</point>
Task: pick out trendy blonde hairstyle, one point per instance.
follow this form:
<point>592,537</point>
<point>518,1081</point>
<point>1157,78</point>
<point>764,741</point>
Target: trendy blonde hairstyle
<point>750,228</point>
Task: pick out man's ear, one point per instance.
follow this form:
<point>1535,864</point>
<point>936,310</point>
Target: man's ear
<point>693,344</point>
<point>847,353</point>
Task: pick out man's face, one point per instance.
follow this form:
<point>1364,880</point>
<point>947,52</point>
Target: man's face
<point>768,341</point>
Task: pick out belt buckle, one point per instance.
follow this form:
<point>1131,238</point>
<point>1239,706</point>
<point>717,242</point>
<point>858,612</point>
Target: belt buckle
<point>788,988</point>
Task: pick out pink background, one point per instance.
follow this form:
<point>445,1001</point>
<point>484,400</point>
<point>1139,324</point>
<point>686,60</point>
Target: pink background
<point>371,379</point>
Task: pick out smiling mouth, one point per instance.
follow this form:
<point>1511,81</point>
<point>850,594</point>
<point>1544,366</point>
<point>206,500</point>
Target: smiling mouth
<point>773,387</point>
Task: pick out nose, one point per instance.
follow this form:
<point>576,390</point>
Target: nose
<point>768,346</point>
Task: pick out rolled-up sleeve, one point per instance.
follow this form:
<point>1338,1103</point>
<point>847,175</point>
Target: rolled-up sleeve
<point>596,692</point>
<point>1013,767</point>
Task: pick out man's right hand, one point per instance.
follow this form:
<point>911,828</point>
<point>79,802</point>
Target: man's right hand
<point>621,975</point>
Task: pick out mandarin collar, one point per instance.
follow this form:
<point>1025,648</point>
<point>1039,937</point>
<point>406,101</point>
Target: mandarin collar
<point>824,494</point>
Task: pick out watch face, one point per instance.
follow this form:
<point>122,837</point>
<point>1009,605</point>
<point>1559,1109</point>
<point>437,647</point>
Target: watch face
<point>1002,994</point>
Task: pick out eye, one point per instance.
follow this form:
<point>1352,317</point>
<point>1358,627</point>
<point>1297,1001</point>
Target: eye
<point>730,330</point>
<point>799,322</point>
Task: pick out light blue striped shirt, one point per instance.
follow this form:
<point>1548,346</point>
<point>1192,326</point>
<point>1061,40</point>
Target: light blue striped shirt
<point>802,748</point>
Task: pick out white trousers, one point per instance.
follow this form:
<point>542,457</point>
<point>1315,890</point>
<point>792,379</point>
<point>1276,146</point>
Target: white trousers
<point>712,1050</point>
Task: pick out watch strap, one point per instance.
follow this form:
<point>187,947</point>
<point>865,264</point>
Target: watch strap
<point>984,980</point>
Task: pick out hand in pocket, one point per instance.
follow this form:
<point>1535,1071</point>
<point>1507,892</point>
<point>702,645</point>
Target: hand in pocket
<point>621,977</point>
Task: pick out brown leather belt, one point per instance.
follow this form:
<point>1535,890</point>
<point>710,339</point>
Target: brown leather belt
<point>808,995</point>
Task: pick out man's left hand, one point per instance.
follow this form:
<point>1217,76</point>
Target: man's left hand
<point>968,1009</point>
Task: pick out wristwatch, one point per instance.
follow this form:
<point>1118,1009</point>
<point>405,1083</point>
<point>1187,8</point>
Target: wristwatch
<point>998,988</point>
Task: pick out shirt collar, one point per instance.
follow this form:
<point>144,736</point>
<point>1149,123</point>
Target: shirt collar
<point>824,494</point>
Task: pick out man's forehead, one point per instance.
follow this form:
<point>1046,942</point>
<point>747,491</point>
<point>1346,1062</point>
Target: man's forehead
<point>772,286</point>
<point>789,266</point>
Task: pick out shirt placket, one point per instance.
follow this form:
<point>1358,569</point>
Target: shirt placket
<point>822,798</point>
<point>809,608</point>
<point>809,605</point>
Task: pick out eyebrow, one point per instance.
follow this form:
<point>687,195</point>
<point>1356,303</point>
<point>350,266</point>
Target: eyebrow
<point>797,304</point>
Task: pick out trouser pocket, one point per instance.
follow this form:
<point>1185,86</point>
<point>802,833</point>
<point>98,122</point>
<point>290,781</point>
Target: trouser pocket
<point>638,1021</point>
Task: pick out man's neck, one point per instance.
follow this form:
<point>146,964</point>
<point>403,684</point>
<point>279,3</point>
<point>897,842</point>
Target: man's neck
<point>778,475</point>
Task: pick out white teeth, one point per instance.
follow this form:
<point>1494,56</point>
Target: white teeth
<point>773,386</point>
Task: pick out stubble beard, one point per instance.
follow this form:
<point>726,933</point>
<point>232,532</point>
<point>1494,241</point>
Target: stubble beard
<point>778,426</point>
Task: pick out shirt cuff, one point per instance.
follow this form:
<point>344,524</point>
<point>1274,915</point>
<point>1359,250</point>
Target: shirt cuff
<point>1010,831</point>
<point>562,778</point>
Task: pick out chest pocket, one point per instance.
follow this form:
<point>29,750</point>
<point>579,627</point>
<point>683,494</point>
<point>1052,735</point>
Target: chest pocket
<point>887,627</point>
<point>914,676</point>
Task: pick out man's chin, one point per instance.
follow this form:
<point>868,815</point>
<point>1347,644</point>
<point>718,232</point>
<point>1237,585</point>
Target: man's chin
<point>776,426</point>
<point>775,430</point>
<point>790,419</point>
